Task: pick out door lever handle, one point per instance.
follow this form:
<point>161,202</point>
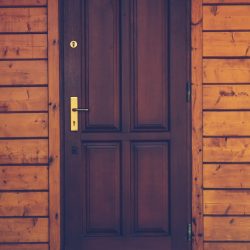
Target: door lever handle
<point>78,109</point>
<point>74,113</point>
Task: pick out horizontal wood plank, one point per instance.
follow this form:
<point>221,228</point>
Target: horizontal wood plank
<point>23,72</point>
<point>226,1</point>
<point>23,99</point>
<point>226,228</point>
<point>24,151</point>
<point>226,202</point>
<point>24,230</point>
<point>225,123</point>
<point>220,17</point>
<point>23,177</point>
<point>24,125</point>
<point>23,3</point>
<point>226,176</point>
<point>226,44</point>
<point>23,46</point>
<point>226,71</point>
<point>226,97</point>
<point>24,247</point>
<point>225,246</point>
<point>24,204</point>
<point>226,149</point>
<point>23,20</point>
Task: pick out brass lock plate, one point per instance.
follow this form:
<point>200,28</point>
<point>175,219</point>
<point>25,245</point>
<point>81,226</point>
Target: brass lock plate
<point>73,44</point>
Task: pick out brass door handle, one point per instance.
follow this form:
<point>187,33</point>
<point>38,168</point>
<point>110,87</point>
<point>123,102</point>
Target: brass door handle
<point>74,113</point>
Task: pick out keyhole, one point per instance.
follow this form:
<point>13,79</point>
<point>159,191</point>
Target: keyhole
<point>74,123</point>
<point>73,44</point>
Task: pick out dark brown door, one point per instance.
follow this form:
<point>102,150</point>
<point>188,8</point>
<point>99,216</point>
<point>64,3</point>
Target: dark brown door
<point>126,169</point>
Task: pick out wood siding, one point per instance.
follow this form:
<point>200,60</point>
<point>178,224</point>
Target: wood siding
<point>223,51</point>
<point>27,50</point>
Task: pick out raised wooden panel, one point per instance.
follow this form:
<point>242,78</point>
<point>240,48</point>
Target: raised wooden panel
<point>102,65</point>
<point>23,72</point>
<point>103,188</point>
<point>23,125</point>
<point>23,99</point>
<point>226,149</point>
<point>24,247</point>
<point>23,20</point>
<point>226,43</point>
<point>226,97</point>
<point>23,46</point>
<point>24,151</point>
<point>227,245</point>
<point>226,176</point>
<point>226,70</point>
<point>23,3</point>
<point>226,228</point>
<point>151,187</point>
<point>150,82</point>
<point>226,123</point>
<point>226,202</point>
<point>24,204</point>
<point>24,230</point>
<point>226,17</point>
<point>23,178</point>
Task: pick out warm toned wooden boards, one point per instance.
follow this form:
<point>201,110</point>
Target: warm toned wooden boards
<point>23,230</point>
<point>226,17</point>
<point>27,46</point>
<point>23,20</point>
<point>24,247</point>
<point>23,72</point>
<point>23,99</point>
<point>226,44</point>
<point>226,246</point>
<point>226,97</point>
<point>23,2</point>
<point>24,151</point>
<point>226,1</point>
<point>24,204</point>
<point>226,176</point>
<point>23,177</point>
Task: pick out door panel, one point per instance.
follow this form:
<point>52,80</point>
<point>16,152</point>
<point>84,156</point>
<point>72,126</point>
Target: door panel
<point>150,57</point>
<point>126,169</point>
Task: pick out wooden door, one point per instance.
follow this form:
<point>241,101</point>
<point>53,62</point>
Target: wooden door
<point>126,169</point>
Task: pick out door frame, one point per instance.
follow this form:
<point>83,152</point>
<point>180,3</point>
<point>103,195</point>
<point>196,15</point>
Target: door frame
<point>189,10</point>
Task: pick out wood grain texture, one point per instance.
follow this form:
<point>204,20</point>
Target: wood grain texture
<point>24,125</point>
<point>220,17</point>
<point>226,97</point>
<point>23,99</point>
<point>227,228</point>
<point>23,178</point>
<point>226,176</point>
<point>226,44</point>
<point>54,125</point>
<point>236,123</point>
<point>24,151</point>
<point>23,72</point>
<point>23,2</point>
<point>24,247</point>
<point>226,149</point>
<point>196,57</point>
<point>24,204</point>
<point>24,230</point>
<point>226,71</point>
<point>23,20</point>
<point>226,246</point>
<point>23,46</point>
<point>226,202</point>
<point>226,1</point>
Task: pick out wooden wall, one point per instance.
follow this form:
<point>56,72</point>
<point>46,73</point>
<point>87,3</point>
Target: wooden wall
<point>221,78</point>
<point>28,47</point>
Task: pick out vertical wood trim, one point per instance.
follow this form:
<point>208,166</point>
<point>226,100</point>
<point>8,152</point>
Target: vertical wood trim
<point>197,176</point>
<point>54,125</point>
